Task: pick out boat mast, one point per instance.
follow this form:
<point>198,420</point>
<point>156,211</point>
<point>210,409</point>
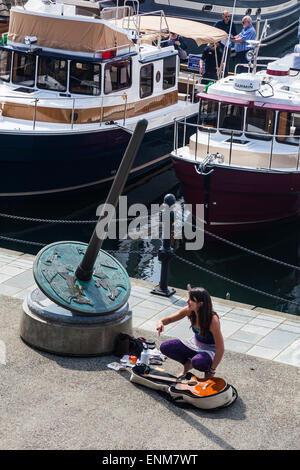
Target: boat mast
<point>258,20</point>
<point>224,60</point>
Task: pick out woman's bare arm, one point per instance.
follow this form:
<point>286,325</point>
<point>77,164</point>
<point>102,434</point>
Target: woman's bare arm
<point>215,328</point>
<point>184,312</point>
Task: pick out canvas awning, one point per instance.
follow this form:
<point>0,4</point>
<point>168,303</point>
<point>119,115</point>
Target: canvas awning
<point>57,32</point>
<point>200,32</point>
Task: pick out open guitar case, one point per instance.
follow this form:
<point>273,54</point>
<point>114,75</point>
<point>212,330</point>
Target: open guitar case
<point>214,398</point>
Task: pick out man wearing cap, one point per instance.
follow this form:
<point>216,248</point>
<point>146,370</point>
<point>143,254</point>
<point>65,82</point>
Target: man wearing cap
<point>224,24</point>
<point>179,44</point>
<point>240,40</point>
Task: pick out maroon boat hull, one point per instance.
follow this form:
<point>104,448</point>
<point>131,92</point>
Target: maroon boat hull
<point>240,199</point>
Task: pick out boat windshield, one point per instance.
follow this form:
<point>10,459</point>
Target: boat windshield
<point>117,75</point>
<point>52,74</point>
<point>5,64</point>
<point>288,126</point>
<point>24,69</point>
<point>169,72</point>
<point>260,123</point>
<point>84,78</point>
<point>208,115</point>
<point>146,80</point>
<point>231,119</point>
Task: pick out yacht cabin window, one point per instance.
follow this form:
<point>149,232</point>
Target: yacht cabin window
<point>260,123</point>
<point>5,63</point>
<point>146,80</point>
<point>231,119</point>
<point>84,78</point>
<point>24,69</point>
<point>117,75</point>
<point>169,72</point>
<point>288,127</point>
<point>52,74</point>
<point>208,115</point>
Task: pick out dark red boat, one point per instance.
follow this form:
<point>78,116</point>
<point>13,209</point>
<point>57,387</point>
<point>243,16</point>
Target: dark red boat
<point>243,161</point>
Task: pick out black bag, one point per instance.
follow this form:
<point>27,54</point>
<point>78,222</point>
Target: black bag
<point>128,345</point>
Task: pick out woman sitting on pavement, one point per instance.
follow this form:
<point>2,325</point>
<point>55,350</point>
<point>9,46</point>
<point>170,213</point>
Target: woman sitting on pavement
<point>207,349</point>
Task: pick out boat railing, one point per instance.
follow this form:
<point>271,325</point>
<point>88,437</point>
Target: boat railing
<point>249,67</point>
<point>116,13</point>
<point>184,130</point>
<point>134,21</point>
<point>73,106</point>
<point>188,83</point>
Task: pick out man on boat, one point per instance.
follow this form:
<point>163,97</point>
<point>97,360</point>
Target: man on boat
<point>179,44</point>
<point>241,46</point>
<point>210,62</point>
<point>226,25</point>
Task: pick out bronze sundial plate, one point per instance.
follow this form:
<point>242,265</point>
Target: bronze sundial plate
<point>54,272</point>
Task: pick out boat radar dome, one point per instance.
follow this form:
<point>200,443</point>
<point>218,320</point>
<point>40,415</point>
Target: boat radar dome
<point>278,68</point>
<point>247,82</point>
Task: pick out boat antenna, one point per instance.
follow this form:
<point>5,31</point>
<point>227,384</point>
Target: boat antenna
<point>228,42</point>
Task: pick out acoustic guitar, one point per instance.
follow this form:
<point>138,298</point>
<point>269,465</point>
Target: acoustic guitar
<point>203,387</point>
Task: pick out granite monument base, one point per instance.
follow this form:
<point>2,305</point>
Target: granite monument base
<point>49,327</point>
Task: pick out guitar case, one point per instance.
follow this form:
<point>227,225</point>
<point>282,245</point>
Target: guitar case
<point>152,378</point>
<point>203,393</point>
<point>208,394</point>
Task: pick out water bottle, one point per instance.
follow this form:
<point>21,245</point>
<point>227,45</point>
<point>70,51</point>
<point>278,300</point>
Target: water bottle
<point>145,359</point>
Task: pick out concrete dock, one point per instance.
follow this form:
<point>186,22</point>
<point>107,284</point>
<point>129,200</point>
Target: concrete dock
<point>246,329</point>
<point>54,402</point>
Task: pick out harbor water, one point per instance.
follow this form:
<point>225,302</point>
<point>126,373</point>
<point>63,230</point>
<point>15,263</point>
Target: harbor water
<point>217,260</point>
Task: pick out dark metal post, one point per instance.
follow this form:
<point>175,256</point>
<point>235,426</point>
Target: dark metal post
<point>166,253</point>
<point>84,271</point>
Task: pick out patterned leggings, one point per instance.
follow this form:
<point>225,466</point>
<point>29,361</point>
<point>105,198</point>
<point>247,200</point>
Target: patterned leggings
<point>178,351</point>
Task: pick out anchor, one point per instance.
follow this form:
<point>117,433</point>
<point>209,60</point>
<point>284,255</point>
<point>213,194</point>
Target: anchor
<point>81,302</point>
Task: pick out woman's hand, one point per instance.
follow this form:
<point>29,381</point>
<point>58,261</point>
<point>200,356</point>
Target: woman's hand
<point>209,374</point>
<point>160,327</point>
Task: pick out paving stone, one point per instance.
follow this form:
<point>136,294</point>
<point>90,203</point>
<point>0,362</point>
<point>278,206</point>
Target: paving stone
<point>248,337</point>
<point>10,270</point>
<point>278,340</point>
<point>143,312</point>
<point>259,330</point>
<point>293,327</point>
<point>22,294</point>
<point>4,277</point>
<point>228,327</point>
<point>262,352</point>
<point>266,321</point>
<point>8,290</point>
<point>134,300</point>
<point>137,321</point>
<point>181,329</point>
<point>221,309</point>
<point>241,315</point>
<point>152,306</point>
<point>291,355</point>
<point>236,346</point>
<point>22,280</point>
<point>170,310</point>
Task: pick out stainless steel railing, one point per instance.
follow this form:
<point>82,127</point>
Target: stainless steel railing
<point>183,131</point>
<point>71,105</point>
